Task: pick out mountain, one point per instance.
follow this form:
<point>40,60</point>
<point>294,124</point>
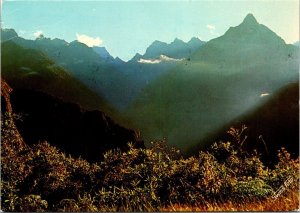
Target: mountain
<point>8,34</point>
<point>223,79</point>
<point>177,49</point>
<point>115,80</point>
<point>31,69</point>
<point>104,54</point>
<point>83,63</point>
<point>158,59</point>
<point>43,117</point>
<point>270,126</point>
<point>249,43</point>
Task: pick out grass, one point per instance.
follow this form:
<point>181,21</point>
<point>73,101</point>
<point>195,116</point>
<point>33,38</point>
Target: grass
<point>288,202</point>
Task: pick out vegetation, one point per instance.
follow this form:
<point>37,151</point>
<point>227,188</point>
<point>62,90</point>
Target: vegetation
<point>41,178</point>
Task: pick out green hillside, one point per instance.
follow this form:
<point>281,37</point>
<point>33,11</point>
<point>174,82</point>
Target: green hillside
<point>32,69</point>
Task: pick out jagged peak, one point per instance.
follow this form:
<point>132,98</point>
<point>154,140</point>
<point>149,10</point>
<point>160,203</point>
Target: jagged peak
<point>103,49</point>
<point>250,19</point>
<point>195,40</point>
<point>157,42</point>
<point>136,57</point>
<point>9,30</point>
<point>77,43</point>
<point>7,34</point>
<point>119,59</point>
<point>177,40</point>
<point>59,41</point>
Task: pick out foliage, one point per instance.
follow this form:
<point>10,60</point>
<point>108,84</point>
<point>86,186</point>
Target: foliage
<point>42,178</point>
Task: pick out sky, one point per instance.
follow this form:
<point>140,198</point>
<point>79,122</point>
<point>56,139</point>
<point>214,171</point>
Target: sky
<point>129,27</point>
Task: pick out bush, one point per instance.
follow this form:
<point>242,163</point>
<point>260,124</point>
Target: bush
<point>42,178</point>
<point>253,189</point>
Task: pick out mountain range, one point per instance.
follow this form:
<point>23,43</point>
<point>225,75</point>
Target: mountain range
<point>182,91</point>
<point>56,107</point>
<point>225,78</point>
<point>82,62</point>
<point>97,69</point>
<point>32,69</point>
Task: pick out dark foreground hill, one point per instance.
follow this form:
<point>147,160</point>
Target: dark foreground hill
<point>76,131</point>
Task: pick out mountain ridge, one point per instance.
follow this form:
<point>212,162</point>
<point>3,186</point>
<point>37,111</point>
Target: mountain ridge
<point>222,80</point>
<point>32,69</point>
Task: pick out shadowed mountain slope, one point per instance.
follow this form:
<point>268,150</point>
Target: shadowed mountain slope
<point>272,125</point>
<point>78,132</point>
<point>31,69</point>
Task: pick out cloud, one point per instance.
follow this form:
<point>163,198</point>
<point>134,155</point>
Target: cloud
<point>89,41</point>
<point>38,33</point>
<point>211,28</point>
<point>264,94</point>
<point>162,58</point>
<point>166,58</point>
<point>149,61</point>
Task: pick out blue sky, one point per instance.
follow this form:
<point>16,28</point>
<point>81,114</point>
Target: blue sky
<point>129,27</point>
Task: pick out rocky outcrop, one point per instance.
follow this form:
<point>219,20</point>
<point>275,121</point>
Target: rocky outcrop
<point>75,131</point>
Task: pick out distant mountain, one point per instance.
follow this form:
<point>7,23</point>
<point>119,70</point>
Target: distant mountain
<point>158,59</point>
<point>31,69</point>
<point>104,54</point>
<point>83,63</point>
<point>223,79</point>
<point>136,58</point>
<point>56,107</point>
<point>115,80</point>
<point>177,49</point>
<point>8,34</point>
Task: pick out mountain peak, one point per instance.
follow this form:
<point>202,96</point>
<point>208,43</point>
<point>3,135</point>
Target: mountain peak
<point>103,53</point>
<point>136,57</point>
<point>157,43</point>
<point>117,59</point>
<point>7,34</point>
<point>195,41</point>
<point>177,41</point>
<point>250,19</point>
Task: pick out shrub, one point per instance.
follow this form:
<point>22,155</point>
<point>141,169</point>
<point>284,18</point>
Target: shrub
<point>42,178</point>
<point>253,189</point>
